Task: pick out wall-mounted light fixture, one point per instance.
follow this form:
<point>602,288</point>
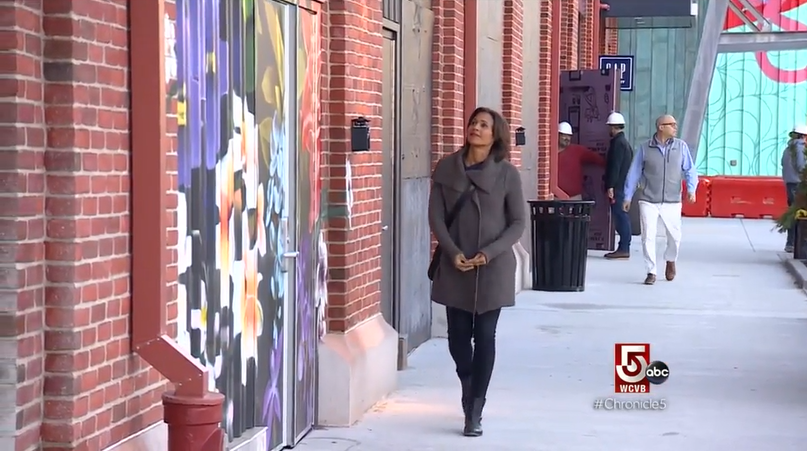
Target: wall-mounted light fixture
<point>360,134</point>
<point>521,136</point>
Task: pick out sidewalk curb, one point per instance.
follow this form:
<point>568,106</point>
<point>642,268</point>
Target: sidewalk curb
<point>796,268</point>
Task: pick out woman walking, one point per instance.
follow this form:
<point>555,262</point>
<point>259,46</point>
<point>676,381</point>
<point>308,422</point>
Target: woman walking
<point>477,213</point>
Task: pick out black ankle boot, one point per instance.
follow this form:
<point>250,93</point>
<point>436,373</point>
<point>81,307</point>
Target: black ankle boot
<point>467,399</point>
<point>473,422</point>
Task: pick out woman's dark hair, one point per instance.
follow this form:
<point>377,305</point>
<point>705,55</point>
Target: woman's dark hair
<point>500,149</point>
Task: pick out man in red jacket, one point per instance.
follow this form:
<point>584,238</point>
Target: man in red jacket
<point>571,159</point>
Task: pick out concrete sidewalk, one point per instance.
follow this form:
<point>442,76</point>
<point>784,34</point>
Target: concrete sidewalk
<point>732,327</point>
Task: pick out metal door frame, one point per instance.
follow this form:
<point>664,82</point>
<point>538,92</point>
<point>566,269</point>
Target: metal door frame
<point>391,31</point>
<point>300,9</point>
<point>291,251</point>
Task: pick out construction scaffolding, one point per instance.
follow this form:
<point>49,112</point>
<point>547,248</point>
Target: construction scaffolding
<point>762,38</point>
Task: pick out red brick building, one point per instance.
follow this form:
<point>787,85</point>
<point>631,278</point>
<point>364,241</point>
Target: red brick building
<point>177,181</point>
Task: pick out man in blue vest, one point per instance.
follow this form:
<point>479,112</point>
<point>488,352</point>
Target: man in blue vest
<point>660,165</point>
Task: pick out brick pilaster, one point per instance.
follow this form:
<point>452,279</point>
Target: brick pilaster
<point>352,88</point>
<point>512,67</point>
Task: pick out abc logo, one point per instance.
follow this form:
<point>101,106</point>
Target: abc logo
<point>657,372</point>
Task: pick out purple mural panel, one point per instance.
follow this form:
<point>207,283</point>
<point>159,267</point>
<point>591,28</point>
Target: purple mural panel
<point>587,97</point>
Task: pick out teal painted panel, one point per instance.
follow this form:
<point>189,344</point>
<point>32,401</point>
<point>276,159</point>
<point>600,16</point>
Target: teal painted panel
<point>754,101</point>
<point>664,60</point>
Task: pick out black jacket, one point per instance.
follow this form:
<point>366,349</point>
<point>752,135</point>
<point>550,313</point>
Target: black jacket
<point>617,163</point>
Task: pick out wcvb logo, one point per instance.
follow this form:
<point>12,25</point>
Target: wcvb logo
<point>633,370</point>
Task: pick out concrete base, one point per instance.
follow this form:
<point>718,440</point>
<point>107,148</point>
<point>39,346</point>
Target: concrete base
<point>357,369</point>
<point>152,438</point>
<point>523,269</point>
<point>253,440</point>
<point>523,281</point>
<point>795,268</point>
<point>439,322</point>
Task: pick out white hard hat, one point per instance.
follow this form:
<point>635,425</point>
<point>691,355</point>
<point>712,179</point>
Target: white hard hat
<point>801,129</point>
<point>565,128</point>
<point>615,119</point>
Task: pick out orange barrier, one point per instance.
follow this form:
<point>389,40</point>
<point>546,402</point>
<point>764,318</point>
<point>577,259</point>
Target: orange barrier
<point>749,197</point>
<point>703,194</point>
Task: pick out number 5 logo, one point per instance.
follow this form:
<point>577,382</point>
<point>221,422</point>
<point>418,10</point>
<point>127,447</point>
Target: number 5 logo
<point>633,363</point>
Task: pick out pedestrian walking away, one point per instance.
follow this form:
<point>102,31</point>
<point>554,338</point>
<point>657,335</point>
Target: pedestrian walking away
<point>618,160</point>
<point>572,158</point>
<point>477,213</point>
<point>793,162</point>
<point>660,165</point>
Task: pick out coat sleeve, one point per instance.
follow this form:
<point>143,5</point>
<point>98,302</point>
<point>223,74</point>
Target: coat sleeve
<point>800,158</point>
<point>516,211</point>
<point>437,221</point>
<point>593,158</point>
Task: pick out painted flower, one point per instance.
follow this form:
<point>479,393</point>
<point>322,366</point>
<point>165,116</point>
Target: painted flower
<point>278,166</point>
<point>275,199</point>
<point>251,314</point>
<point>305,301</point>
<point>310,111</point>
<point>260,230</point>
<point>321,290</point>
<point>225,182</point>
<point>272,400</point>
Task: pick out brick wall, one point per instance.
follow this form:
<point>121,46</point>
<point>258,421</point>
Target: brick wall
<point>512,65</point>
<point>611,46</point>
<point>547,129</point>
<point>569,33</point>
<point>449,106</point>
<point>22,225</point>
<point>587,58</point>
<point>451,83</point>
<point>172,194</point>
<point>65,218</point>
<point>352,87</point>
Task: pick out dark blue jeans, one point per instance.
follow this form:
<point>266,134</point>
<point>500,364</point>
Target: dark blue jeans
<point>791,197</point>
<point>621,221</point>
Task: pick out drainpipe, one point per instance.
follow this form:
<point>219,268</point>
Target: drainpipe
<point>193,413</point>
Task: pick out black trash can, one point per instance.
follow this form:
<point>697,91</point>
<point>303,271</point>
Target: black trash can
<point>800,239</point>
<point>560,244</point>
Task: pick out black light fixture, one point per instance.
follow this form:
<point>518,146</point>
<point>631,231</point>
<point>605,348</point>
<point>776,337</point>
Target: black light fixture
<point>360,134</point>
<point>521,136</point>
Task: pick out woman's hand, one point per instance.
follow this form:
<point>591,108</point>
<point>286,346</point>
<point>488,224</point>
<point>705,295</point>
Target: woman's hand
<point>479,259</point>
<point>461,263</point>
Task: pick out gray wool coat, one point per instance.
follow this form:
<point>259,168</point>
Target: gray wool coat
<point>491,222</point>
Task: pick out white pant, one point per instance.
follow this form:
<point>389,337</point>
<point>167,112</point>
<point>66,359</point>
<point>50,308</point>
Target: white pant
<point>670,216</point>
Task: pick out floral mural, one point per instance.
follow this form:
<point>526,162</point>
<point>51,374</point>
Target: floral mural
<point>755,99</point>
<point>272,64</point>
<point>249,315</point>
<point>311,266</point>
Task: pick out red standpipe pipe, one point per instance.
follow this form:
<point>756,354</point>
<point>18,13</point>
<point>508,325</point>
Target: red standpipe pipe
<point>193,414</point>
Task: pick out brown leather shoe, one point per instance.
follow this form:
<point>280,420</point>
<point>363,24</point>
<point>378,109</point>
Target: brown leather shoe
<point>669,272</point>
<point>650,279</point>
<point>617,255</point>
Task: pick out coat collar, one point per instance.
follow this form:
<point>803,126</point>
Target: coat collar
<point>451,172</point>
<point>654,142</point>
